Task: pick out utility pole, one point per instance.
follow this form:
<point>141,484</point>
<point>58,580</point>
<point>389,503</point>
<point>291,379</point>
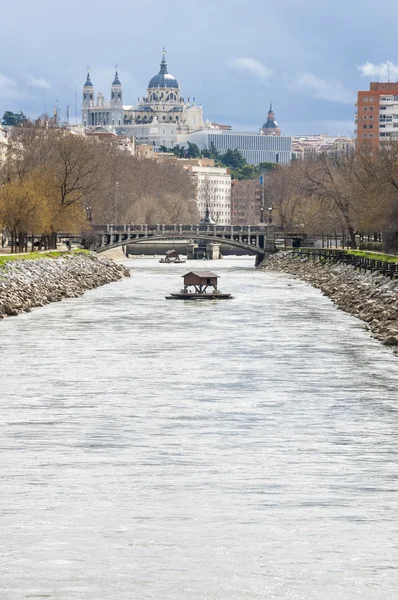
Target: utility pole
<point>76,105</point>
<point>117,185</point>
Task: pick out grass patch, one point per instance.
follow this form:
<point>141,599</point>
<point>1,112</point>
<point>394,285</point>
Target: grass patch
<point>375,256</point>
<point>5,258</point>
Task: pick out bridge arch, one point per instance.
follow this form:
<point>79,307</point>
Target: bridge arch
<point>252,249</point>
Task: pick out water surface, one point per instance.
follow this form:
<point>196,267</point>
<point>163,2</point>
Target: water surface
<point>168,450</point>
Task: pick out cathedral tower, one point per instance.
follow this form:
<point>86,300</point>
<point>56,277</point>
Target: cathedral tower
<point>88,92</point>
<point>116,91</point>
<point>88,100</point>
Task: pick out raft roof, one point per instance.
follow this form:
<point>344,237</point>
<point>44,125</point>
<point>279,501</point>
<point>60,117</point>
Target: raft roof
<point>204,274</point>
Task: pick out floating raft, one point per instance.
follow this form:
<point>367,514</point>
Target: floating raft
<point>200,281</point>
<point>195,296</point>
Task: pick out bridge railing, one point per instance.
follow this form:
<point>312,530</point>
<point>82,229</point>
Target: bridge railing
<point>163,228</point>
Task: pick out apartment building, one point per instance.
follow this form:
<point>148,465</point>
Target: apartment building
<point>213,190</point>
<point>377,113</point>
<point>245,202</point>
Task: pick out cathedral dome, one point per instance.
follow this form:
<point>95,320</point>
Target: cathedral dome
<point>271,127</point>
<point>163,79</point>
<point>271,124</point>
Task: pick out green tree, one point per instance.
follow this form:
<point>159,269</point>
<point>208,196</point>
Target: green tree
<point>13,119</point>
<point>179,152</point>
<point>233,159</point>
<point>193,151</point>
<point>212,152</point>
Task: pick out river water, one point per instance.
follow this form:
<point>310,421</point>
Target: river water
<point>155,449</point>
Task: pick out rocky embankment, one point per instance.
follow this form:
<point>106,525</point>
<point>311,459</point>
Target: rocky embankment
<point>372,298</point>
<point>25,284</point>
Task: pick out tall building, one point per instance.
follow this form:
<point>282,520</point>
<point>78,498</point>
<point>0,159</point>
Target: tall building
<point>377,113</point>
<point>213,191</point>
<point>245,202</point>
<point>271,127</point>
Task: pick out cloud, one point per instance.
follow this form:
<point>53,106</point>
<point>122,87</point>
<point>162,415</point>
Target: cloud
<point>8,87</point>
<point>38,82</point>
<point>252,67</point>
<point>322,89</point>
<point>383,71</point>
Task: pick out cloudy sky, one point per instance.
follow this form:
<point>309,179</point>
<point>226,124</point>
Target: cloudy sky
<point>309,56</point>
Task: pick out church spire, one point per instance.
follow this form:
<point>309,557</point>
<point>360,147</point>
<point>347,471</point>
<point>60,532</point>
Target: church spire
<point>116,81</point>
<point>88,80</point>
<point>163,64</point>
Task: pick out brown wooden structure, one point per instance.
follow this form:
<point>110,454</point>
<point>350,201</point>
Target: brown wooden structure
<point>200,280</point>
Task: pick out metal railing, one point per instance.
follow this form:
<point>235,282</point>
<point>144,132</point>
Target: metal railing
<point>360,263</point>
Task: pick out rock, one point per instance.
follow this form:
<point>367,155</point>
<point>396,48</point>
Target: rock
<point>390,340</point>
<point>31,283</point>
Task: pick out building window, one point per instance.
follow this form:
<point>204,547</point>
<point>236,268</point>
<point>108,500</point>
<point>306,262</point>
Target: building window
<point>371,117</point>
<point>365,99</point>
<point>370,134</point>
<point>370,126</point>
<point>371,98</point>
<point>365,117</point>
<point>370,107</point>
<point>383,107</point>
<point>365,126</point>
<point>364,135</point>
<point>365,108</point>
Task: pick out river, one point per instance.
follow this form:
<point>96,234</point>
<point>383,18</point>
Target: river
<point>238,450</point>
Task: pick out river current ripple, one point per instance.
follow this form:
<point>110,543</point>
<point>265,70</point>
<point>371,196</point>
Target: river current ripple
<point>168,450</point>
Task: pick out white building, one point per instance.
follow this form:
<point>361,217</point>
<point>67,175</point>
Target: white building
<point>254,147</point>
<point>213,191</point>
<point>309,146</point>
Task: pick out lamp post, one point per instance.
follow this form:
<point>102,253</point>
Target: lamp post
<point>117,185</point>
<point>270,214</point>
<point>262,200</point>
<point>88,213</point>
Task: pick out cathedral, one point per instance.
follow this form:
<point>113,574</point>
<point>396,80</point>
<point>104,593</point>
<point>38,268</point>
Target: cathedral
<point>163,108</point>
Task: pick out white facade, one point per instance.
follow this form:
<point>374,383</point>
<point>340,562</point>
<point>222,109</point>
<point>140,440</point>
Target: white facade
<point>388,116</point>
<point>213,190</point>
<point>254,147</point>
<point>309,146</point>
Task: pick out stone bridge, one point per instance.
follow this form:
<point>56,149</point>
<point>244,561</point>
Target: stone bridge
<point>255,239</point>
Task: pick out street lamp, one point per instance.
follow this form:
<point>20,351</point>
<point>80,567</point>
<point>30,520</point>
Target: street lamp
<point>261,180</point>
<point>117,185</point>
<point>270,214</point>
<point>88,213</point>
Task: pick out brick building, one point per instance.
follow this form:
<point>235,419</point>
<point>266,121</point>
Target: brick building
<point>377,113</point>
<point>245,202</point>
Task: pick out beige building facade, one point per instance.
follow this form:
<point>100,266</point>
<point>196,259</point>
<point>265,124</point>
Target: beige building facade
<point>213,190</point>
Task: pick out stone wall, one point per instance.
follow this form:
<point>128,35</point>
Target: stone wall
<point>25,284</point>
<point>372,298</point>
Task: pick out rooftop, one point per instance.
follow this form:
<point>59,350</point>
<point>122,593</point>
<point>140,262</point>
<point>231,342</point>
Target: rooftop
<point>204,274</point>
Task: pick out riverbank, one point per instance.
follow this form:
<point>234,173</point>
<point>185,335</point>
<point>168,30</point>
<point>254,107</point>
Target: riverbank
<point>38,279</point>
<point>370,297</point>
